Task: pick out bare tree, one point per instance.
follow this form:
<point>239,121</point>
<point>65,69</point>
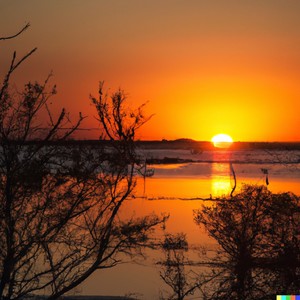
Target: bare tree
<point>60,202</point>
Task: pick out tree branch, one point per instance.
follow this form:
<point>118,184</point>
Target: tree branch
<point>17,34</point>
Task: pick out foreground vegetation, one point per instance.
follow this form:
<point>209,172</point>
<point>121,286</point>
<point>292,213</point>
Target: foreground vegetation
<point>258,254</point>
<point>60,206</point>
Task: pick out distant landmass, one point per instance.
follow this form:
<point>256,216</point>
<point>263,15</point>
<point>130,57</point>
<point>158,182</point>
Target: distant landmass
<point>189,144</point>
<point>185,143</point>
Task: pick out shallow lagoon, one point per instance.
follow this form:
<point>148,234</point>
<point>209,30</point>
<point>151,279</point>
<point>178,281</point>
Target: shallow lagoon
<point>175,189</point>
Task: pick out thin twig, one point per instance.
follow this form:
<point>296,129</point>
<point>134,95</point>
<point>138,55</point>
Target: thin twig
<point>15,35</point>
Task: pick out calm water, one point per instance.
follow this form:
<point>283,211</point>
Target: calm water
<point>173,190</point>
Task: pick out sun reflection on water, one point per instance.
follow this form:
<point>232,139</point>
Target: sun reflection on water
<point>220,179</point>
<point>221,184</point>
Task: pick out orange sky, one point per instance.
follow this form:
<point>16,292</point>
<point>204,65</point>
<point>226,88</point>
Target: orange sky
<point>206,67</point>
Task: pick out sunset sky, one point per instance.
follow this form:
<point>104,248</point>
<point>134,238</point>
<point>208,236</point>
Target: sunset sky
<point>204,67</point>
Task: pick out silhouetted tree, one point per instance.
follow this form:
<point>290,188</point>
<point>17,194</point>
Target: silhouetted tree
<point>182,282</point>
<point>258,233</point>
<point>60,205</point>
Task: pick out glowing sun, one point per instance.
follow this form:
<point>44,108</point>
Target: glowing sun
<point>222,140</point>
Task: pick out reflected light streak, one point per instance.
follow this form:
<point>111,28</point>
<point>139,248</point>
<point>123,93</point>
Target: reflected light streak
<point>220,185</point>
<point>220,180</point>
